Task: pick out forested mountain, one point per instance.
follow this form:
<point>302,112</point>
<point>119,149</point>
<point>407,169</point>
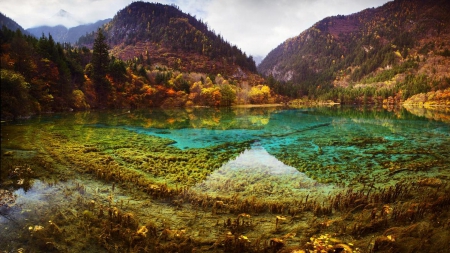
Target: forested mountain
<point>63,34</point>
<point>154,55</point>
<point>164,34</point>
<point>9,23</point>
<point>173,60</point>
<point>380,54</point>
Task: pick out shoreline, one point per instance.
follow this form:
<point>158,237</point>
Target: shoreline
<point>256,105</point>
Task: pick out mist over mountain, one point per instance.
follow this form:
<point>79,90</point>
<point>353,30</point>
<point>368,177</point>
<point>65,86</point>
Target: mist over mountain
<point>65,17</point>
<point>63,34</point>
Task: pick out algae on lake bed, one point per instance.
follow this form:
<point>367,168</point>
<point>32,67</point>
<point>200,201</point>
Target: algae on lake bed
<point>377,184</point>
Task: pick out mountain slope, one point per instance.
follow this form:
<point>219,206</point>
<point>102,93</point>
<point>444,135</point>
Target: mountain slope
<point>168,36</point>
<point>372,46</point>
<point>58,33</point>
<point>62,34</point>
<point>9,23</point>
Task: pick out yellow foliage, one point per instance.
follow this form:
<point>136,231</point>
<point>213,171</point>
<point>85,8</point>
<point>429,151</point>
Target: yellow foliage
<point>208,83</point>
<point>79,101</point>
<point>211,96</point>
<point>259,94</point>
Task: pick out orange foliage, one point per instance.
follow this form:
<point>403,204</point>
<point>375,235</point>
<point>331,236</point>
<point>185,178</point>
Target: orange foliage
<point>89,91</point>
<point>147,90</point>
<point>171,120</point>
<point>170,92</point>
<point>110,79</point>
<point>6,61</point>
<point>216,96</point>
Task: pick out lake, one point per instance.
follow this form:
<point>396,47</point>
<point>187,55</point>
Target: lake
<point>337,179</point>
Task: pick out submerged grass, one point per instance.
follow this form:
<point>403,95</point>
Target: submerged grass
<point>113,190</point>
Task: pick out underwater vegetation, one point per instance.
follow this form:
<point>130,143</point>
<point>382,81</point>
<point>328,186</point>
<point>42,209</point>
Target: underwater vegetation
<point>69,187</point>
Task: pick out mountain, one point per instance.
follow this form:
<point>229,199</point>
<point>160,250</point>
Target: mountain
<point>63,34</point>
<point>149,55</point>
<point>64,14</point>
<point>76,32</point>
<point>65,18</point>
<point>9,23</point>
<point>398,49</point>
<point>59,32</point>
<point>167,36</point>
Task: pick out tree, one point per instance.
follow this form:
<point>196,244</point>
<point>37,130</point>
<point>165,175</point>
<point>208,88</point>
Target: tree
<point>259,94</point>
<point>100,62</point>
<point>228,95</point>
<point>118,69</point>
<point>15,100</point>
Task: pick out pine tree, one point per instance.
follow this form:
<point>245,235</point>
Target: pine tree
<point>100,62</point>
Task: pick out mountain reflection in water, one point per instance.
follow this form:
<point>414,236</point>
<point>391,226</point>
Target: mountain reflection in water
<point>256,173</point>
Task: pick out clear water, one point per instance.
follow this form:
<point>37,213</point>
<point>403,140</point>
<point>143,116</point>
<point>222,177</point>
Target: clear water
<point>351,142</point>
<point>260,154</point>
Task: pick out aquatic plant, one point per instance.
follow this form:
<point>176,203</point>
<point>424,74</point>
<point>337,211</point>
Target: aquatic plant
<point>326,243</point>
<point>128,192</point>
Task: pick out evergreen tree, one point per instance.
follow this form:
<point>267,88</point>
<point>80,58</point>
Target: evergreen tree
<point>100,62</point>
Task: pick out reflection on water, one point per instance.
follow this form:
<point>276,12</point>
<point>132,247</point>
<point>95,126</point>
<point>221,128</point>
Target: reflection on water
<point>26,204</point>
<point>434,113</point>
<point>256,173</point>
<point>152,181</point>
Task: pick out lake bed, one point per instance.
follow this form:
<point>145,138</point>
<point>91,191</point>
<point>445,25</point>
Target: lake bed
<point>226,180</point>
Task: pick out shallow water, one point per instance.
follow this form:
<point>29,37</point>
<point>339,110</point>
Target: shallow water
<point>194,173</point>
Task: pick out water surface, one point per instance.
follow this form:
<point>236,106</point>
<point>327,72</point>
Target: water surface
<point>192,173</point>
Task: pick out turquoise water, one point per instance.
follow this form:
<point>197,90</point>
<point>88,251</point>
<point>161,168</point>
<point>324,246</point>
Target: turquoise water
<point>344,137</point>
<point>303,138</point>
<point>327,143</point>
<point>63,173</point>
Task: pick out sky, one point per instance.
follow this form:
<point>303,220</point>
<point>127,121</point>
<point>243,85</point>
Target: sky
<point>254,26</point>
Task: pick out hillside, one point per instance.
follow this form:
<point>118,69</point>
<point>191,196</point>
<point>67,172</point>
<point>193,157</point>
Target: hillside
<point>9,23</point>
<point>183,65</point>
<point>383,54</point>
<point>63,34</point>
<point>165,35</point>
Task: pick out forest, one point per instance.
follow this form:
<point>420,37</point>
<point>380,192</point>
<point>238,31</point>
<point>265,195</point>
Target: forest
<point>165,32</point>
<point>41,76</point>
<point>380,55</point>
<point>154,55</point>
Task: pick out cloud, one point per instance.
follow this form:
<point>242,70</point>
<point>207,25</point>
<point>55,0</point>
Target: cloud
<point>32,13</point>
<point>258,26</point>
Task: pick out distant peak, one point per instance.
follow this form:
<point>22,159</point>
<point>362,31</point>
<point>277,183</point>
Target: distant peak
<point>65,18</point>
<point>63,13</point>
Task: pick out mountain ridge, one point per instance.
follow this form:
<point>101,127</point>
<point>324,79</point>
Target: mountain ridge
<point>62,34</point>
<point>379,55</point>
<point>171,60</point>
<point>162,30</point>
<point>10,24</point>
<point>341,51</point>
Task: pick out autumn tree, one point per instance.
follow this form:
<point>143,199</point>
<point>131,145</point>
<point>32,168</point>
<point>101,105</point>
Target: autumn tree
<point>259,94</point>
<point>15,100</point>
<point>228,95</point>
